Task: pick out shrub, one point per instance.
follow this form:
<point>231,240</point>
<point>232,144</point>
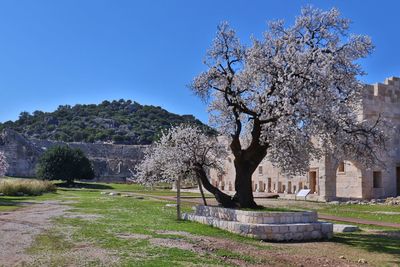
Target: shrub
<point>11,187</point>
<point>64,163</point>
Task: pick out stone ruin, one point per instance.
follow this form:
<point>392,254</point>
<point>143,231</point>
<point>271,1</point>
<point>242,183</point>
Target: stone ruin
<point>111,163</point>
<point>263,225</point>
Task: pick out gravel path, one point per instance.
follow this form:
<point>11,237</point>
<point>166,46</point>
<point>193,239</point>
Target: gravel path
<point>19,228</point>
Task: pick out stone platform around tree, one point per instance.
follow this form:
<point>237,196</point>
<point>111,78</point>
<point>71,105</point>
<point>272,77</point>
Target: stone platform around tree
<point>273,226</point>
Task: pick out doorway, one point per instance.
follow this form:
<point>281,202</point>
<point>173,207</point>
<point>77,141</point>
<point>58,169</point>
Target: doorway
<point>269,185</point>
<point>313,181</point>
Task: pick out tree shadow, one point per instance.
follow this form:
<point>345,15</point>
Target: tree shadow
<point>13,202</point>
<point>380,241</point>
<point>84,185</point>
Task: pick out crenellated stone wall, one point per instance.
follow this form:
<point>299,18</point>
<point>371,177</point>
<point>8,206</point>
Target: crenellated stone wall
<point>111,162</point>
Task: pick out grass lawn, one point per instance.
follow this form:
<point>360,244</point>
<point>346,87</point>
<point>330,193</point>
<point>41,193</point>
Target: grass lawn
<point>381,213</point>
<point>129,231</point>
<point>8,203</point>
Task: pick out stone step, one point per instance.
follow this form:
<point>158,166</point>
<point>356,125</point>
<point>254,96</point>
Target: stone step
<point>258,217</point>
<point>270,232</point>
<point>343,228</point>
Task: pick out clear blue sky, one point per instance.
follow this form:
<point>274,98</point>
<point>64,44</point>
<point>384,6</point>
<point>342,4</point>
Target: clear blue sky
<point>86,51</point>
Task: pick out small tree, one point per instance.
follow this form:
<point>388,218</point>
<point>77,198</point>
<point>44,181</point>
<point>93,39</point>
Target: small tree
<point>295,94</point>
<point>64,163</point>
<point>3,164</point>
<point>184,152</point>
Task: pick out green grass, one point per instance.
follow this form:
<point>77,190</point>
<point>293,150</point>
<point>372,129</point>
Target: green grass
<point>272,209</point>
<point>131,188</point>
<point>9,203</point>
<point>129,215</point>
<point>366,212</point>
<point>124,215</point>
<point>370,242</point>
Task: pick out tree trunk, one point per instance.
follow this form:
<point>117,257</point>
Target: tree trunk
<point>222,198</point>
<point>178,198</point>
<point>201,191</point>
<point>70,182</point>
<point>246,163</point>
<point>243,184</point>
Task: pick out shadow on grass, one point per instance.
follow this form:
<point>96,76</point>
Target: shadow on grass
<point>382,241</point>
<point>84,185</point>
<point>13,202</point>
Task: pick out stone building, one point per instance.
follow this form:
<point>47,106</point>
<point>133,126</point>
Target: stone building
<point>331,178</point>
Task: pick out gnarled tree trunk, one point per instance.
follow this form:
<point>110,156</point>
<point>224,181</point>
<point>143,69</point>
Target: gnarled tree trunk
<point>246,162</point>
<point>243,184</point>
<point>222,198</point>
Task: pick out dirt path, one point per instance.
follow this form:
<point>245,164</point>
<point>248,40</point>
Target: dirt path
<point>19,228</point>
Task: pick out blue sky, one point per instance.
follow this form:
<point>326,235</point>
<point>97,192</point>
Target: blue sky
<point>86,51</point>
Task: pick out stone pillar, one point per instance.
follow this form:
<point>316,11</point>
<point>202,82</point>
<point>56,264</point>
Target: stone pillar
<point>328,181</point>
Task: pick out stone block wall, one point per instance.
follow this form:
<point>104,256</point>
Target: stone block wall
<point>272,226</point>
<point>111,163</point>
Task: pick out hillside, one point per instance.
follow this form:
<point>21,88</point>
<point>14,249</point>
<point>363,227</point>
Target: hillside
<point>120,122</point>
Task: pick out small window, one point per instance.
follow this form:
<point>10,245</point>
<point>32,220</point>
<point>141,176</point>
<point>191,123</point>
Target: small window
<point>341,167</point>
<point>377,176</point>
<point>260,170</point>
<point>229,160</point>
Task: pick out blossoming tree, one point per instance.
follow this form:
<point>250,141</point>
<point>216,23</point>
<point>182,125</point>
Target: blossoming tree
<point>3,164</point>
<point>295,93</point>
<point>184,152</point>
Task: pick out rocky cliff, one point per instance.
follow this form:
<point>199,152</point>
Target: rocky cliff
<point>111,162</point>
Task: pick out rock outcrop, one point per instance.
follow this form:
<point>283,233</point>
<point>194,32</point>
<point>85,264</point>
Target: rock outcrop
<point>111,162</point>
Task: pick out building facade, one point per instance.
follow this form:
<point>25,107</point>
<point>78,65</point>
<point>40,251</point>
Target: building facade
<point>330,178</point>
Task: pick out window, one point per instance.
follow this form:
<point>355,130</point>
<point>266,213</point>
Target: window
<point>377,176</point>
<point>341,167</point>
<point>260,170</point>
<point>229,160</point>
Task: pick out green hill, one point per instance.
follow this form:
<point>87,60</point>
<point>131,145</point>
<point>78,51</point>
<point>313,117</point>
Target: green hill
<point>120,122</point>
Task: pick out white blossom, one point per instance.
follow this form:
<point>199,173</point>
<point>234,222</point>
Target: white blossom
<point>292,96</point>
<point>178,153</point>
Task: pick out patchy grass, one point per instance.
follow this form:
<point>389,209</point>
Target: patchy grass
<point>10,203</point>
<point>129,229</point>
<point>272,209</point>
<point>129,188</point>
<point>144,232</point>
<point>130,216</point>
<point>387,242</point>
<point>381,213</point>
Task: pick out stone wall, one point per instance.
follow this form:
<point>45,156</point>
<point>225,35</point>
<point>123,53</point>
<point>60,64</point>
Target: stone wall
<point>111,162</point>
<point>273,226</point>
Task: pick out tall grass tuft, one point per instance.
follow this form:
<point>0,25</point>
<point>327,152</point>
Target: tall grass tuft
<point>20,187</point>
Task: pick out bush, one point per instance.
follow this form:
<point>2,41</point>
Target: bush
<point>64,163</point>
<point>26,187</point>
